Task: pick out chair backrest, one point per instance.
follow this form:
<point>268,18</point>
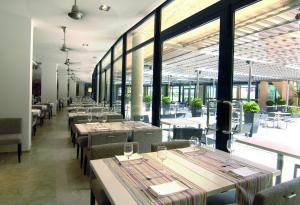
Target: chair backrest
<point>167,116</point>
<point>116,120</point>
<point>171,145</point>
<point>116,116</point>
<point>146,137</point>
<point>107,137</point>
<point>180,115</point>
<point>110,150</point>
<point>143,118</point>
<point>10,126</point>
<point>187,132</point>
<point>287,193</point>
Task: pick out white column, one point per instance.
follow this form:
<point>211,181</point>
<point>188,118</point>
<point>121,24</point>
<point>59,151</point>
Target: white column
<point>49,83</point>
<point>137,75</point>
<point>72,88</point>
<point>81,89</point>
<point>16,73</point>
<point>62,84</point>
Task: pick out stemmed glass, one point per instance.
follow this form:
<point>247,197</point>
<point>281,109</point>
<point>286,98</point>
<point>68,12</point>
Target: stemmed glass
<point>128,150</point>
<point>162,155</point>
<point>90,116</point>
<point>194,142</point>
<point>230,146</point>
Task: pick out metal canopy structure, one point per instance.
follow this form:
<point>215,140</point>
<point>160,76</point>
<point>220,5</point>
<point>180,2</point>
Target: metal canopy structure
<point>271,41</point>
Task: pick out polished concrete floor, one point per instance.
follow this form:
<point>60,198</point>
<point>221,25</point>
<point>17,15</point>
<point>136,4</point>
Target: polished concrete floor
<point>49,174</point>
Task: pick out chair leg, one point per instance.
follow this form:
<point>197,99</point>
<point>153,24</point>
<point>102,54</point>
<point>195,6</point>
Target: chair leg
<point>92,198</point>
<point>81,157</point>
<point>84,165</point>
<point>34,130</point>
<point>77,156</point>
<point>19,152</point>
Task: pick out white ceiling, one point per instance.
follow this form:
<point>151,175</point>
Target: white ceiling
<point>98,29</point>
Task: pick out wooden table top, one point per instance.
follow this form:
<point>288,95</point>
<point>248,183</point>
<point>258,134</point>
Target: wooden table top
<point>86,128</point>
<point>184,121</point>
<point>211,182</point>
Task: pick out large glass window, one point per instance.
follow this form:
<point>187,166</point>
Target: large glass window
<point>117,85</point>
<point>142,33</point>
<point>179,10</point>
<point>106,66</point>
<point>139,77</point>
<point>190,60</point>
<point>266,58</point>
<point>118,49</point>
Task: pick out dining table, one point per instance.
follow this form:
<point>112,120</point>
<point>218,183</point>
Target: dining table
<point>185,176</point>
<point>36,112</point>
<point>280,149</point>
<point>190,121</point>
<point>95,127</point>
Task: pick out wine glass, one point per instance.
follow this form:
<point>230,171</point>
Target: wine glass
<point>128,150</point>
<point>194,142</point>
<point>90,117</point>
<point>230,146</point>
<point>162,155</point>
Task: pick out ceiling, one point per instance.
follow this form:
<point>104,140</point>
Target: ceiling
<point>98,29</point>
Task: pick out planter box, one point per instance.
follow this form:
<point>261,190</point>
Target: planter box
<point>196,112</point>
<point>166,109</point>
<point>253,119</point>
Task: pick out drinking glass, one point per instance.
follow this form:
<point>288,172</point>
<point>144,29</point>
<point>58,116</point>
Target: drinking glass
<point>162,155</point>
<point>128,150</point>
<point>230,146</point>
<point>90,117</point>
<point>194,142</point>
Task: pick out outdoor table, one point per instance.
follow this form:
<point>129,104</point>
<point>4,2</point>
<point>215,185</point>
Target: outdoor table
<point>279,149</point>
<point>204,172</point>
<point>199,121</point>
<point>279,115</point>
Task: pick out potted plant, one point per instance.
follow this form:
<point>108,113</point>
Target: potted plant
<point>281,104</point>
<point>147,101</point>
<point>270,106</point>
<point>196,107</point>
<point>166,101</point>
<point>251,116</point>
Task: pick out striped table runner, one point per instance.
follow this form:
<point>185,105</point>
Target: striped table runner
<point>222,165</point>
<point>138,175</point>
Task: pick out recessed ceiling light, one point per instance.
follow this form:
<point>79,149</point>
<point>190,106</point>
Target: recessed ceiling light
<point>104,8</point>
<point>94,57</point>
<point>85,44</point>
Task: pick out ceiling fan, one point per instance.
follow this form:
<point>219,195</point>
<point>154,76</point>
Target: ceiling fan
<point>75,12</point>
<point>68,61</point>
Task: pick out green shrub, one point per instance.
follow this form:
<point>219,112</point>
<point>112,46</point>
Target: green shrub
<point>270,103</point>
<point>166,100</point>
<point>197,103</point>
<point>251,107</point>
<point>147,98</point>
<point>281,101</point>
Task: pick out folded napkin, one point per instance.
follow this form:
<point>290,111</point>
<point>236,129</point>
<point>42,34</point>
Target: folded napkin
<point>244,171</point>
<point>168,188</point>
<point>123,158</point>
<point>188,149</point>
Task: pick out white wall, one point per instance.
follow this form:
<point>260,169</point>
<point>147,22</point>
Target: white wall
<point>62,85</point>
<point>15,72</point>
<point>49,83</point>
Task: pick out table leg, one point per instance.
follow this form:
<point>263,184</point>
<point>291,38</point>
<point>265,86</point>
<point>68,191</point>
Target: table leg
<point>279,167</point>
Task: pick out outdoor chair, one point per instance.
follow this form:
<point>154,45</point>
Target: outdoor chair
<point>10,133</point>
<point>100,152</point>
<point>146,137</point>
<point>176,144</point>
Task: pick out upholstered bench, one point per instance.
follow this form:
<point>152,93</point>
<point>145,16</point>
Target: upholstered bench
<point>10,130</point>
